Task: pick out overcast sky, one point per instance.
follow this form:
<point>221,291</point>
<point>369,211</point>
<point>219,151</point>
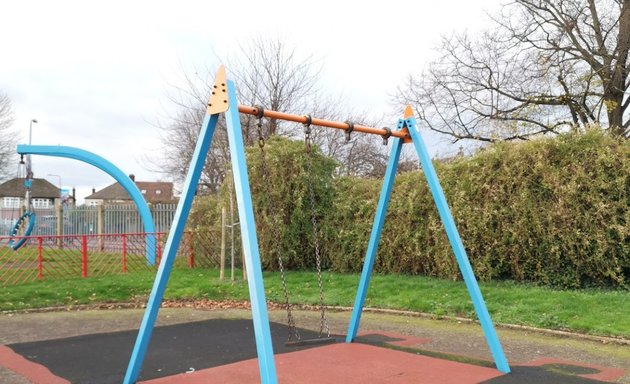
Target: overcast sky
<point>97,75</point>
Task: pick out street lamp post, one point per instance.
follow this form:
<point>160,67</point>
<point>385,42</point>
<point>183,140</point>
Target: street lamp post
<point>29,168</point>
<point>30,131</point>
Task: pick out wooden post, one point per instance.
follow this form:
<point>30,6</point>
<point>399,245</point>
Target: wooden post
<point>59,229</point>
<point>222,271</point>
<point>191,251</point>
<point>232,235</point>
<point>244,265</point>
<point>100,226</point>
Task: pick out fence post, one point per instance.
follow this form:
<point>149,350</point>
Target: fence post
<point>244,266</point>
<point>222,271</point>
<point>59,229</point>
<point>191,251</point>
<point>40,258</point>
<point>124,252</point>
<point>158,253</point>
<point>84,257</point>
<point>100,226</point>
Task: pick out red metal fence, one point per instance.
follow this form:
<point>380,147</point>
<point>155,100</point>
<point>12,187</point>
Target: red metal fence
<point>60,257</point>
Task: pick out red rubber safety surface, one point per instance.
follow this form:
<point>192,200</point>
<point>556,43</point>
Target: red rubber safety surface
<point>343,363</point>
<point>224,351</point>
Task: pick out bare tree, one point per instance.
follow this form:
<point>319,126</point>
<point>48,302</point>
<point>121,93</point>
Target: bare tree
<point>267,73</point>
<point>273,75</point>
<point>180,138</point>
<point>7,136</point>
<point>357,154</point>
<point>548,66</point>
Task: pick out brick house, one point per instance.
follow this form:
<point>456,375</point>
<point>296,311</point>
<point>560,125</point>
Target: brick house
<point>154,192</point>
<point>43,194</point>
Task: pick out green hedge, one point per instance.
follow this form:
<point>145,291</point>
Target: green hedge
<point>550,211</point>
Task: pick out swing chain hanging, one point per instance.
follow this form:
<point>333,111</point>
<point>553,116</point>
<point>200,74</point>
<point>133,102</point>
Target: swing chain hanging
<point>293,334</point>
<point>323,324</point>
<point>261,137</point>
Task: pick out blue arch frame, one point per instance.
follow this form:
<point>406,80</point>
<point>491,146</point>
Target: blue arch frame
<point>112,170</point>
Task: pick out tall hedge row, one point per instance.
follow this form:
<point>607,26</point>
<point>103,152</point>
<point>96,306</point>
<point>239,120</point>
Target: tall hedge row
<point>551,211</point>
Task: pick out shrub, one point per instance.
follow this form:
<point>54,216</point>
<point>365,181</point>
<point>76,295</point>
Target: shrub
<point>554,211</point>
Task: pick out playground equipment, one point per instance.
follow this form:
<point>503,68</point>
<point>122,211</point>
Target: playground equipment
<point>25,224</point>
<point>294,338</point>
<point>223,100</point>
<point>103,164</point>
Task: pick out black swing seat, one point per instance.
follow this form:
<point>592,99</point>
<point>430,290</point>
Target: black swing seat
<point>304,342</point>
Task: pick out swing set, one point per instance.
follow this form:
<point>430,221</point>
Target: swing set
<point>223,101</point>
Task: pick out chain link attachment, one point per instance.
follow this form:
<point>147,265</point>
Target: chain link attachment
<point>349,130</point>
<point>307,133</point>
<point>386,136</point>
<point>261,137</point>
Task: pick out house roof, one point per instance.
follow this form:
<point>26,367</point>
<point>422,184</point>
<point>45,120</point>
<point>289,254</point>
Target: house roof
<point>152,191</point>
<point>41,188</point>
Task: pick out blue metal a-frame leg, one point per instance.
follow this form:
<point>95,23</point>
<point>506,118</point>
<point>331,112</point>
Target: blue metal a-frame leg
<point>409,123</point>
<point>377,226</point>
<point>248,231</point>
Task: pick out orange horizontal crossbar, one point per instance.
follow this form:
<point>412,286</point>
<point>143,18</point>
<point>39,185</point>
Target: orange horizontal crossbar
<point>403,134</point>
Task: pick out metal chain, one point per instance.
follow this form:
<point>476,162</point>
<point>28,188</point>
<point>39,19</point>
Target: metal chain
<point>293,335</point>
<point>323,323</point>
<point>28,183</point>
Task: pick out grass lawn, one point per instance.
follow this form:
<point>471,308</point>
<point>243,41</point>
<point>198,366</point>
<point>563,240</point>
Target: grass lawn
<point>596,312</point>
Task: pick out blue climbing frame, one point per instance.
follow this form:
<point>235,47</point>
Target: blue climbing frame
<point>223,100</point>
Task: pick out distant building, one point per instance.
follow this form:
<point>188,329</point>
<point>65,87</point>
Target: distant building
<point>43,194</point>
<point>153,192</point>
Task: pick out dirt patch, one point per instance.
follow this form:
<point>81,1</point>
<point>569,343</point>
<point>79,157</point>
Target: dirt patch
<point>439,336</point>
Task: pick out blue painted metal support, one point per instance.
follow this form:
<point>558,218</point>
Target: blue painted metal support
<point>458,247</point>
<point>260,316</point>
<point>112,170</point>
<point>377,226</point>
<point>170,249</point>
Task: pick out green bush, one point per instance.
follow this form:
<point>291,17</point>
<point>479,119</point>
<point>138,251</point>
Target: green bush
<point>284,216</point>
<point>553,211</point>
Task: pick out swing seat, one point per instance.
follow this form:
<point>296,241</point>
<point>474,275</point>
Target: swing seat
<point>317,341</point>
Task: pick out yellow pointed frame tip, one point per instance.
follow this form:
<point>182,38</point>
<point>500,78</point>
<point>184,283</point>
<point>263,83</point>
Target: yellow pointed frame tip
<point>219,98</point>
<point>408,112</point>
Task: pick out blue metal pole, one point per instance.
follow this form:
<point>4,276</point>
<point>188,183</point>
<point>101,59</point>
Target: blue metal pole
<point>458,247</point>
<point>377,226</point>
<point>112,170</point>
<point>170,249</point>
<point>260,316</point>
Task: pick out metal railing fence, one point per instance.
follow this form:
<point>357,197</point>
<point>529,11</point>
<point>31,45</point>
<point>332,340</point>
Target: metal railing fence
<point>85,255</point>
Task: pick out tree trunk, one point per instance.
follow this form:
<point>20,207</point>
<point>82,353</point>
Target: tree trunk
<point>614,95</point>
